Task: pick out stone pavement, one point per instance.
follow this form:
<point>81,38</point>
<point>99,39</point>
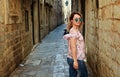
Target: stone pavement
<point>48,59</point>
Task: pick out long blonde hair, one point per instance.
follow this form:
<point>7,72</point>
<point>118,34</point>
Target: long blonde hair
<point>69,25</point>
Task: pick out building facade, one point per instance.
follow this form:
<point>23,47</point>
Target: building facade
<point>67,9</point>
<point>102,33</point>
<point>23,24</point>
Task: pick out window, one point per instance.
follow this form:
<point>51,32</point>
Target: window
<point>97,4</point>
<point>26,21</point>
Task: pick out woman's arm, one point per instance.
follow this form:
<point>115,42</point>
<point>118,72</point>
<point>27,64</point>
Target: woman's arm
<point>74,52</point>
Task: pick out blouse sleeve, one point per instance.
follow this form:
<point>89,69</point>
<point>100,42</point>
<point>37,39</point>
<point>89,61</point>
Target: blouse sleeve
<point>68,36</point>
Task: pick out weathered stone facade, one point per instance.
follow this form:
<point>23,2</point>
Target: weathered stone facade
<point>15,42</point>
<point>102,33</point>
<point>23,23</point>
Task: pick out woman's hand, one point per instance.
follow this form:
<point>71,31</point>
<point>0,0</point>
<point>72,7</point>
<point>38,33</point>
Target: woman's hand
<point>75,65</point>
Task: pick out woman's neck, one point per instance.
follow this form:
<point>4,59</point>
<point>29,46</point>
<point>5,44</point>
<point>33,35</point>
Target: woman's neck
<point>75,27</point>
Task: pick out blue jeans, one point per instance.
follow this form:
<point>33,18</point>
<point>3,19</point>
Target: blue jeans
<point>82,70</point>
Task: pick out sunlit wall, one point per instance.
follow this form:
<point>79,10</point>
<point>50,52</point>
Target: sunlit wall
<point>66,5</point>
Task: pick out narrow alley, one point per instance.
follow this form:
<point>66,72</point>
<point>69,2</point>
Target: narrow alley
<point>31,43</point>
<point>48,59</point>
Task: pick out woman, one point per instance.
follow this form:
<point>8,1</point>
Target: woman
<point>76,49</point>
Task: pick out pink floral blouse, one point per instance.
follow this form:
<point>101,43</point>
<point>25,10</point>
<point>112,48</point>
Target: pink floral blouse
<point>80,45</point>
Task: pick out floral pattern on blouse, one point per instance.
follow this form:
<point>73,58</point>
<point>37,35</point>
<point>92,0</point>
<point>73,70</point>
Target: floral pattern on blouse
<point>79,45</point>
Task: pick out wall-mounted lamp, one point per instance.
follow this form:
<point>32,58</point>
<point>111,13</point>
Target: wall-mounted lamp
<point>66,3</point>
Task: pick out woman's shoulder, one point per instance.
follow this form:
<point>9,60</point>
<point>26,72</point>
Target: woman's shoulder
<point>73,31</point>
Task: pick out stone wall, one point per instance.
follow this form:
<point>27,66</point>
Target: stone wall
<point>51,16</point>
<point>22,28</point>
<point>102,37</point>
<point>109,34</point>
<point>92,39</point>
<point>2,37</point>
<point>15,42</point>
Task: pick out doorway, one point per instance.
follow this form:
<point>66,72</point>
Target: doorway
<point>32,15</point>
<point>83,13</point>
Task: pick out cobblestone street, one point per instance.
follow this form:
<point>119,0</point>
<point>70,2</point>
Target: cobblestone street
<point>48,59</point>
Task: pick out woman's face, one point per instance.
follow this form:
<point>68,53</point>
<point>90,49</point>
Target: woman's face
<point>77,20</point>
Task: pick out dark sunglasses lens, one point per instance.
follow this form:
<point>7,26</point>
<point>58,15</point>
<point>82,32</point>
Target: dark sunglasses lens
<point>81,19</point>
<point>76,19</point>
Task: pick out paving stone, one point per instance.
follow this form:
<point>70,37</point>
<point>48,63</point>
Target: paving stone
<point>58,75</point>
<point>33,62</point>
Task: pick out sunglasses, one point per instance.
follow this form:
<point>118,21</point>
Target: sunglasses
<point>78,19</point>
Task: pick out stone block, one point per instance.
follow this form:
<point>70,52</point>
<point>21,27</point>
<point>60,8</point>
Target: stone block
<point>1,19</point>
<point>2,74</point>
<point>106,13</point>
<point>116,10</point>
<point>2,11</point>
<point>118,70</point>
<point>118,56</point>
<point>105,3</point>
<point>117,25</point>
<point>1,48</point>
<point>2,39</point>
<point>105,25</point>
